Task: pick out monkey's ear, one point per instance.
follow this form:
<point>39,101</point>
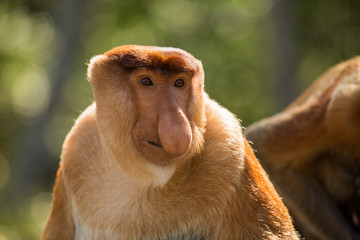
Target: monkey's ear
<point>93,66</point>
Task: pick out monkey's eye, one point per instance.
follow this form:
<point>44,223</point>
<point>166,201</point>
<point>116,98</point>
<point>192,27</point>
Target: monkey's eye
<point>179,83</point>
<point>145,81</point>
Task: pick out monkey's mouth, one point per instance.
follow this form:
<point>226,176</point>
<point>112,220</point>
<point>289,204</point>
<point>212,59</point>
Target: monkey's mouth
<point>155,144</point>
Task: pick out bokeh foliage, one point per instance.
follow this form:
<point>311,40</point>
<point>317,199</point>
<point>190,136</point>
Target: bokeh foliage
<point>239,42</point>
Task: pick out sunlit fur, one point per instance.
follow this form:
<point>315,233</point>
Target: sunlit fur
<point>312,153</point>
<point>106,189</point>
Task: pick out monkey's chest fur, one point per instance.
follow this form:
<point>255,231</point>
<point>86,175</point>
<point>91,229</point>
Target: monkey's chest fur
<point>84,233</point>
<point>106,206</point>
<point>126,218</point>
<point>110,213</point>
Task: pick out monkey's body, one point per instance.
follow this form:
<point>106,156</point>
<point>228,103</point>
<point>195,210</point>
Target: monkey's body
<point>311,151</point>
<point>217,191</point>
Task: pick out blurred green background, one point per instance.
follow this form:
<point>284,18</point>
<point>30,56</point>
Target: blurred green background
<point>258,55</point>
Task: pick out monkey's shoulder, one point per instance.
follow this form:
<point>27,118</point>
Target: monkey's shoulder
<point>220,118</point>
<point>82,151</point>
<point>223,135</point>
<point>83,140</point>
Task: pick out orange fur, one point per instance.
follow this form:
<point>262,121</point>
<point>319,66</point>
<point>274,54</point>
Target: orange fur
<point>215,190</point>
<point>312,151</point>
<point>60,220</point>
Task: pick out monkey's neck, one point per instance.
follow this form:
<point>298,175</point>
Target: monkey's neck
<point>135,169</point>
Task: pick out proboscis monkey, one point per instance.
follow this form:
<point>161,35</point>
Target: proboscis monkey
<point>155,158</point>
<point>311,151</point>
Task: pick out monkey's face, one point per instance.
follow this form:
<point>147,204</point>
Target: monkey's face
<point>154,96</point>
<point>162,129</point>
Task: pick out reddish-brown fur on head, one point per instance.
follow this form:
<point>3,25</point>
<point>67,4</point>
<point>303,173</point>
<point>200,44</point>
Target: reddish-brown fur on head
<point>169,60</point>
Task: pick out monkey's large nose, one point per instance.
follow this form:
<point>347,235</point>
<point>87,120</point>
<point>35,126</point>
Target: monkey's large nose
<point>174,132</point>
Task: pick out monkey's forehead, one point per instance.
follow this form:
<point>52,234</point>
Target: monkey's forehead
<point>170,59</point>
